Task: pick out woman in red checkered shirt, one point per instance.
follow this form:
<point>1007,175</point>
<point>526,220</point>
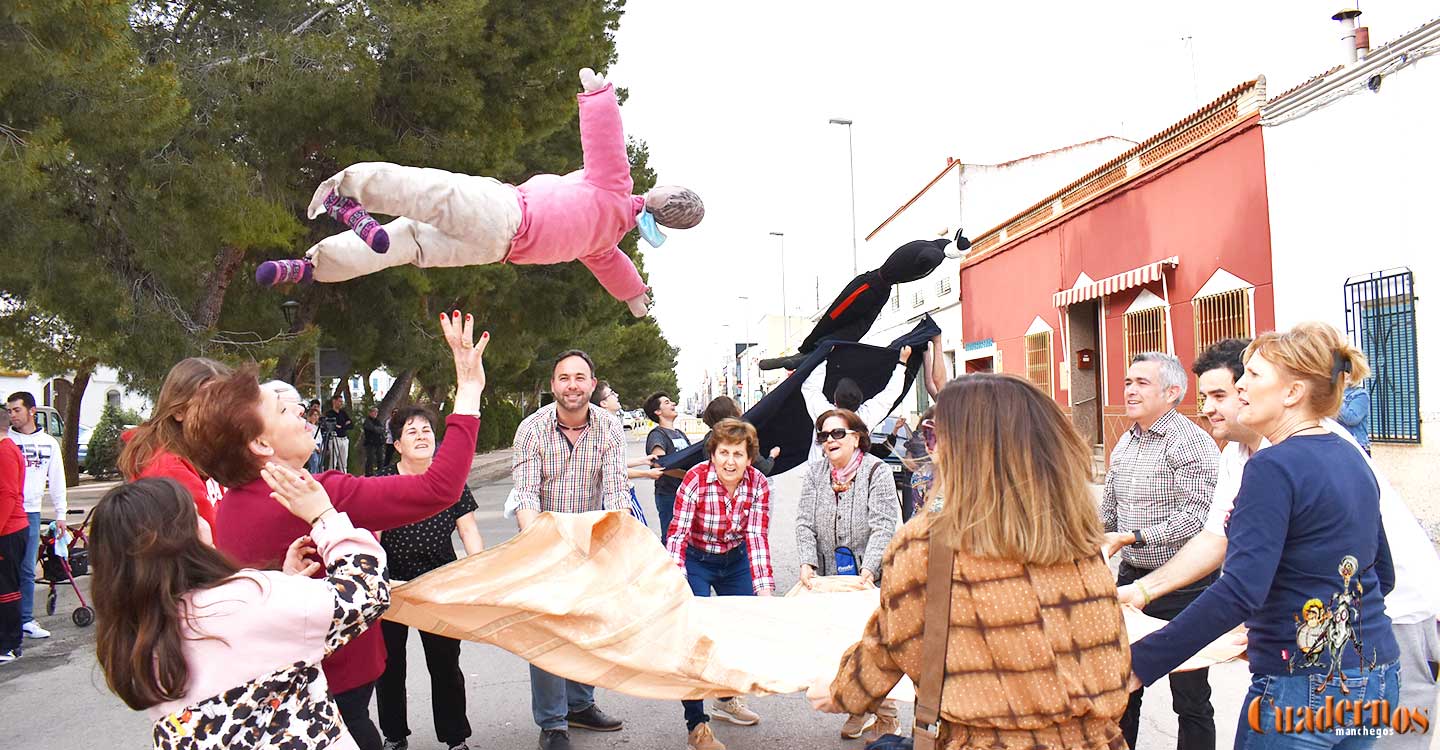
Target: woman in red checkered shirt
<point>720,537</point>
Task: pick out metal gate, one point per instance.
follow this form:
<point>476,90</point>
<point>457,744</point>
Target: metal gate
<point>1380,319</point>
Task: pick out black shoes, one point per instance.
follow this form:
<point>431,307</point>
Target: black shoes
<point>554,739</point>
<point>788,363</point>
<point>594,719</point>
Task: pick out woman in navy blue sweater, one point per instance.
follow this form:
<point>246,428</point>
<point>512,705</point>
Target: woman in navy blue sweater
<point>1307,565</point>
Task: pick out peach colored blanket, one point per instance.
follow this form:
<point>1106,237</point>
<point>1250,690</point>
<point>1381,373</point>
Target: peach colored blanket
<point>594,597</point>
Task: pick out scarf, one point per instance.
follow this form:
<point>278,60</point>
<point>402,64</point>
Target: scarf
<point>840,478</point>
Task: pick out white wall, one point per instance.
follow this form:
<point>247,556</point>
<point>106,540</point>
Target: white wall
<point>1352,190</point>
<point>102,383</point>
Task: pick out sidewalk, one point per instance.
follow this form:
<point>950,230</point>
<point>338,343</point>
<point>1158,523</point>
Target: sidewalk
<point>489,467</point>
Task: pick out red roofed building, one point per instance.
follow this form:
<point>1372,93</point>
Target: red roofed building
<point>1166,247</point>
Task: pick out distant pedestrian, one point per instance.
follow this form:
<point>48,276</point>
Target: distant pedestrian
<point>606,398</point>
<point>663,440</point>
<point>375,432</point>
<point>1355,414</point>
<point>14,526</point>
<point>338,445</point>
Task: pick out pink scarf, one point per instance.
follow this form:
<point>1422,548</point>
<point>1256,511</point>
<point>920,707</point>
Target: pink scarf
<point>840,478</point>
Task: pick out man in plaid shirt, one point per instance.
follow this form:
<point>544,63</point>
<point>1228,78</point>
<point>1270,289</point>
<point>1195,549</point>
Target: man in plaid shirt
<point>568,457</point>
<point>720,538</point>
<point>1157,494</point>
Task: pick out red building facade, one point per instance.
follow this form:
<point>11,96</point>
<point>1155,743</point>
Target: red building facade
<point>1166,248</point>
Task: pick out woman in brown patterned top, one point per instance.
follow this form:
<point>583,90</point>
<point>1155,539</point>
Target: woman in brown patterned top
<point>1037,654</point>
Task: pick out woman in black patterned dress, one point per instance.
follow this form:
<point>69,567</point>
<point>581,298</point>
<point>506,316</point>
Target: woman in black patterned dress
<point>415,550</point>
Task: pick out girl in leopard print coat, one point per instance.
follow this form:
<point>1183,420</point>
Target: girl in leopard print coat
<point>223,657</point>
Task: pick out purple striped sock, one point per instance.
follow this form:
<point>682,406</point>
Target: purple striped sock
<point>349,212</point>
<point>273,273</point>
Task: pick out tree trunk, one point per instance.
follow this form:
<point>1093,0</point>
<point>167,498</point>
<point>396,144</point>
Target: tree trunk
<point>71,449</point>
<point>399,393</point>
<point>227,262</point>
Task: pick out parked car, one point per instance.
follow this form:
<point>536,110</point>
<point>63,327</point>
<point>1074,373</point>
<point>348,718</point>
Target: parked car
<point>627,420</point>
<point>83,449</point>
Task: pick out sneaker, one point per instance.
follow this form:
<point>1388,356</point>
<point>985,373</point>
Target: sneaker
<point>554,739</point>
<point>278,272</point>
<point>594,719</point>
<point>883,725</point>
<point>32,629</point>
<point>400,744</point>
<point>349,212</point>
<point>8,656</point>
<point>856,726</point>
<point>734,711</point>
<point>702,738</point>
<point>461,746</point>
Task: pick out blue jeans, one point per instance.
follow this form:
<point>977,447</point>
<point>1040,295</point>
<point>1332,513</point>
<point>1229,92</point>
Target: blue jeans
<point>27,570</point>
<point>729,575</point>
<point>552,697</point>
<point>1279,692</point>
<point>665,506</point>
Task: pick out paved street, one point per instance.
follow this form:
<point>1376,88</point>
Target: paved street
<point>55,696</point>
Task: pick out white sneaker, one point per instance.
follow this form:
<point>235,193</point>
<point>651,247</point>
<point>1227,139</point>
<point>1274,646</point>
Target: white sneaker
<point>8,656</point>
<point>32,629</point>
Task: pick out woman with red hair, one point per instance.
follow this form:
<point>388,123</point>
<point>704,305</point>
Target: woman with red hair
<point>234,427</point>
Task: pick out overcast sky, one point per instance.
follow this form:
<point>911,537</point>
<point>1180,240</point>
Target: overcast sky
<point>733,99</point>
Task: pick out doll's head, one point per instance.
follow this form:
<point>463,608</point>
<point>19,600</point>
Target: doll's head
<point>675,207</point>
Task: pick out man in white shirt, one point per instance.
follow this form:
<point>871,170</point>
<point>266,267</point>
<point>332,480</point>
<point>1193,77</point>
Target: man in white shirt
<point>43,466</point>
<point>1412,606</point>
<point>849,396</point>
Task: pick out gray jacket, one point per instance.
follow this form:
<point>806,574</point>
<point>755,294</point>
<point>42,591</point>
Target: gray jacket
<point>863,518</point>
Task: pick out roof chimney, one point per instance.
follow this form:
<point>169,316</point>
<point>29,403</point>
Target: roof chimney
<point>1357,40</point>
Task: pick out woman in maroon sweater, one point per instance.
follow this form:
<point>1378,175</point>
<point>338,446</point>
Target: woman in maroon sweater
<point>234,426</point>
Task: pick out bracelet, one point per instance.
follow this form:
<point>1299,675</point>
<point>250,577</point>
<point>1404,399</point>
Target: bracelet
<point>1143,592</point>
<point>317,518</point>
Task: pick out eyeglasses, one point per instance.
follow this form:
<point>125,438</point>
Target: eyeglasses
<point>822,435</point>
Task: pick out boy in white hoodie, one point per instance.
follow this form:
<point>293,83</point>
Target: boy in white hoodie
<point>43,466</point>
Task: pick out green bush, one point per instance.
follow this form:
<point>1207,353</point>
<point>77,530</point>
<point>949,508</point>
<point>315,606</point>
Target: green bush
<point>104,449</point>
<point>497,427</point>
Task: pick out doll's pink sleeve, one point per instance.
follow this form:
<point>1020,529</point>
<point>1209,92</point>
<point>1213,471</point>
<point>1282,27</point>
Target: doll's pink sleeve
<point>602,139</point>
<point>616,272</point>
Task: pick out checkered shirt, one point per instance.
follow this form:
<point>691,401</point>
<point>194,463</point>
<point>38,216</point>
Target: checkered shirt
<point>1161,482</point>
<point>550,476</point>
<point>708,518</point>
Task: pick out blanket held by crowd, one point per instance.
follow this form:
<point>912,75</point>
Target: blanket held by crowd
<point>593,597</point>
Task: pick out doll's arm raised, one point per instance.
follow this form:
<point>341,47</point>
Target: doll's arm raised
<point>602,139</point>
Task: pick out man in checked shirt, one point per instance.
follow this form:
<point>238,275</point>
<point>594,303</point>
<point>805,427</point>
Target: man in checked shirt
<point>568,457</point>
<point>720,537</point>
<point>1157,493</point>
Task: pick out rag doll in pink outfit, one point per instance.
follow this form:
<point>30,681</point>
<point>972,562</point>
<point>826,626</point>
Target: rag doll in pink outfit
<point>449,219</point>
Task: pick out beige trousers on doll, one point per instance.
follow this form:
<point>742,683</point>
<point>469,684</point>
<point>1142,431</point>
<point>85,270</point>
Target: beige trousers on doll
<point>446,219</point>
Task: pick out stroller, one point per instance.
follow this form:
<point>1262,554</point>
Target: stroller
<point>58,569</point>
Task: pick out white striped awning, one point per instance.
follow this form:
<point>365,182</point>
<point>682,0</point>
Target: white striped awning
<point>1118,283</point>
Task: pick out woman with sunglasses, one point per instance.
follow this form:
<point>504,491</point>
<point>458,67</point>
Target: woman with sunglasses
<point>849,510</point>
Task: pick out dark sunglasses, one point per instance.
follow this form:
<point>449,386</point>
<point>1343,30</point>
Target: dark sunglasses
<point>822,435</point>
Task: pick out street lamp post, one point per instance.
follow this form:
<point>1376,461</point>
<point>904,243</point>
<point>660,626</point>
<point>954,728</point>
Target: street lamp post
<point>784,308</point>
<point>744,366</point>
<point>850,134</point>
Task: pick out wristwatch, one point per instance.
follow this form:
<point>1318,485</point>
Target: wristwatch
<point>1139,539</point>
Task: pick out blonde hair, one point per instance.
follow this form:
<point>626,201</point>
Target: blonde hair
<point>1318,355</point>
<point>1014,473</point>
